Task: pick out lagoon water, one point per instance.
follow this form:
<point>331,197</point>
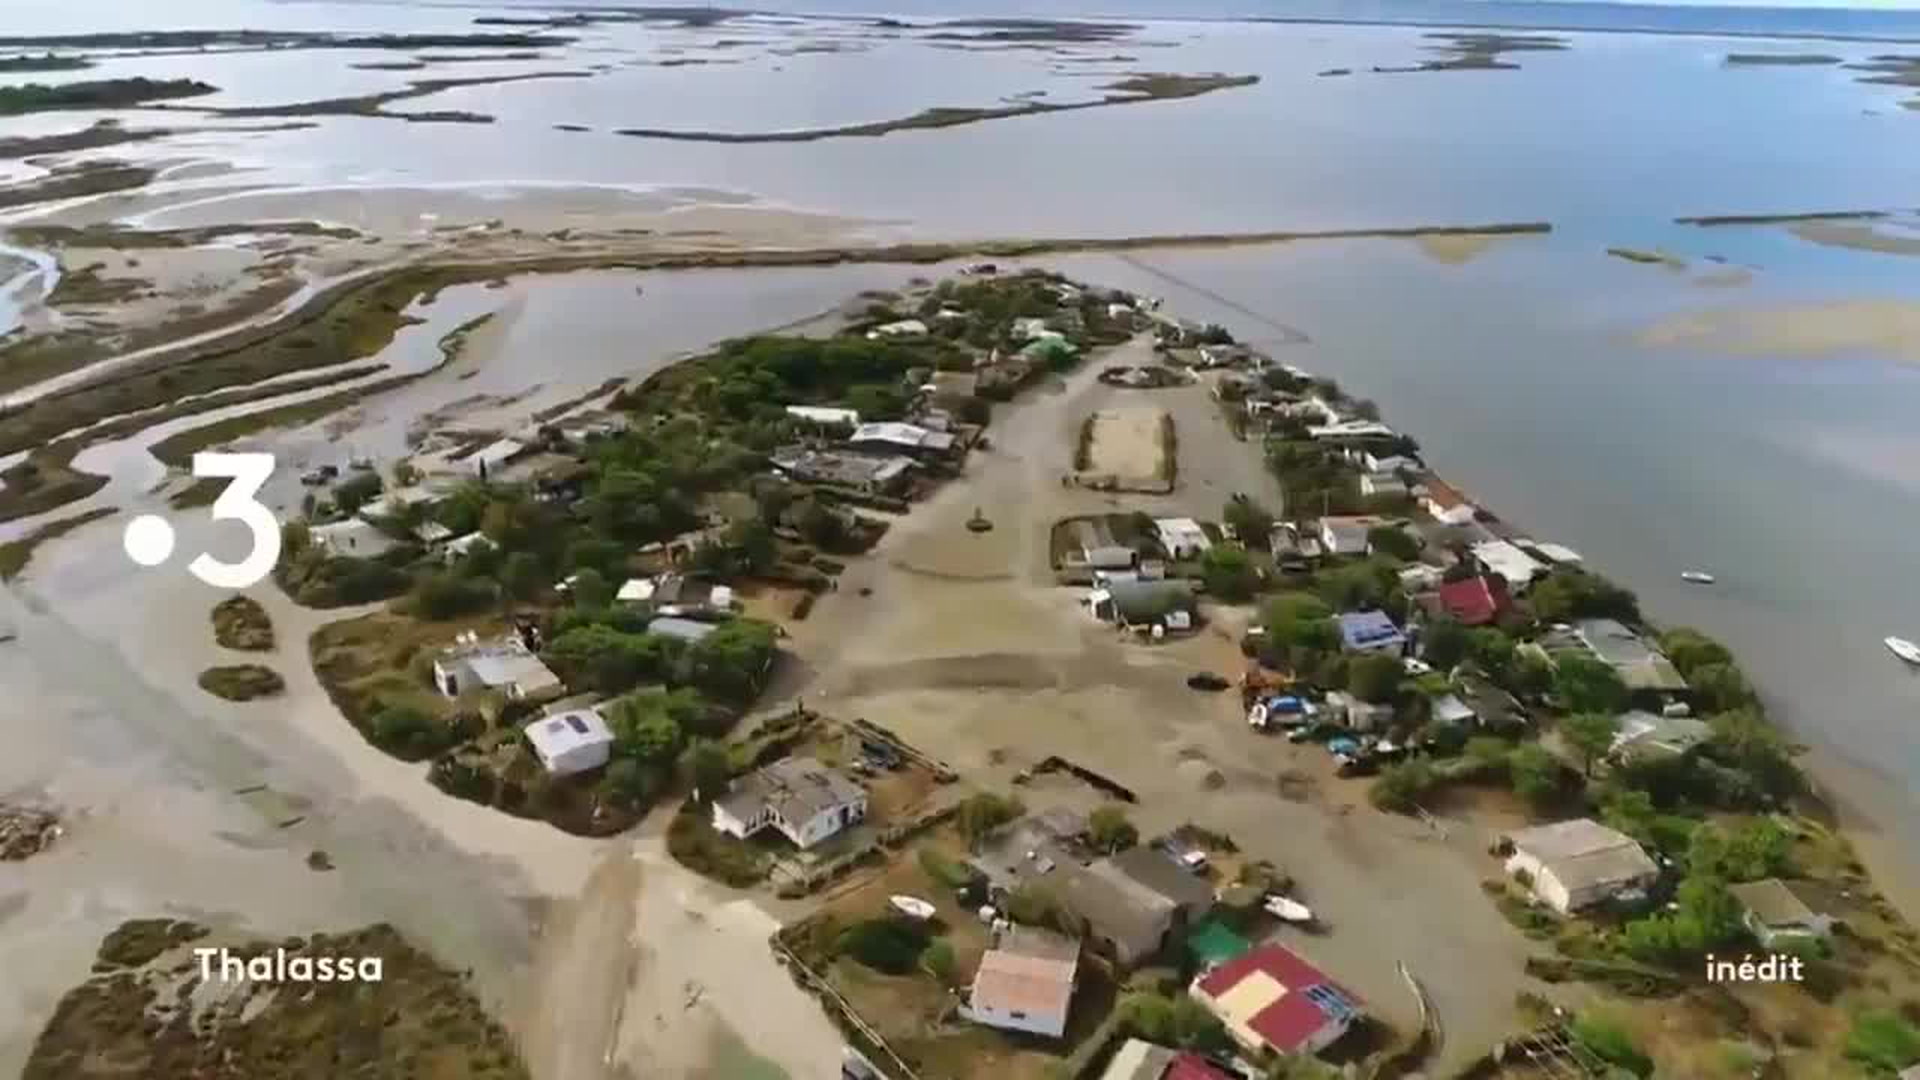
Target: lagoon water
<point>1796,479</point>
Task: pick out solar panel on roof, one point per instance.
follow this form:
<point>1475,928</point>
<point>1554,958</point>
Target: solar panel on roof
<point>575,723</point>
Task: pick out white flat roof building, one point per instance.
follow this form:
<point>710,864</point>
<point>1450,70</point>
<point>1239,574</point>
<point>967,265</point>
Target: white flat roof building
<point>1182,537</point>
<point>572,741</point>
<point>503,664</point>
<point>821,414</point>
<point>1518,567</point>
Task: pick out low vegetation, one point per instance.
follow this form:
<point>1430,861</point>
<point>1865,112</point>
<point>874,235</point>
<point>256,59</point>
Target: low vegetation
<point>16,554</point>
<point>96,94</point>
<point>126,1019</point>
<point>242,682</point>
<point>239,622</point>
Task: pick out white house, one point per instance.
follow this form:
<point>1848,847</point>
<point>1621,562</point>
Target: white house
<point>1501,557</point>
<point>1029,329</point>
<point>1346,535</point>
<point>572,741</point>
<point>895,435</point>
<point>824,415</point>
<point>1776,912</point>
<point>803,799</point>
<point>1183,538</point>
<point>1377,484</point>
<point>1025,982</point>
<point>504,665</point>
<point>903,328</point>
<point>1352,429</point>
<point>354,536</point>
<point>489,459</point>
<point>1576,864</point>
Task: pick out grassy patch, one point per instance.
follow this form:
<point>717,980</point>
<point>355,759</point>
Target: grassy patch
<point>239,622</point>
<point>15,554</point>
<point>242,682</point>
<point>695,844</point>
<point>95,94</point>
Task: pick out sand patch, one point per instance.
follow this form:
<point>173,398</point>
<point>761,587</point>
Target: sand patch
<point>1127,446</point>
<point>1888,240</point>
<point>1889,328</point>
<point>1455,249</point>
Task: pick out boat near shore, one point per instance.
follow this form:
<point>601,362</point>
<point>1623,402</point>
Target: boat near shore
<point>1288,910</point>
<point>1697,577</point>
<point>1904,649</point>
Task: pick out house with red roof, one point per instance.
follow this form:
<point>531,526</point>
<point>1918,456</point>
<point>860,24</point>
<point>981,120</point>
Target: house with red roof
<point>1136,1060</point>
<point>1476,601</point>
<point>1445,503</point>
<point>1273,1000</point>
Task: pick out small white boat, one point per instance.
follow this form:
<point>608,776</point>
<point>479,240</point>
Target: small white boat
<point>1287,910</point>
<point>1904,649</point>
<point>1698,577</point>
<point>912,907</point>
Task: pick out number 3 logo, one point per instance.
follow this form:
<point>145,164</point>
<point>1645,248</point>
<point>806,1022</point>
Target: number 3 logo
<point>249,473</point>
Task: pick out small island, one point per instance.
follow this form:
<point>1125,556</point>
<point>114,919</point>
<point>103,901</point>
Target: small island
<point>239,622</point>
<point>96,94</point>
<point>44,62</point>
<point>242,682</point>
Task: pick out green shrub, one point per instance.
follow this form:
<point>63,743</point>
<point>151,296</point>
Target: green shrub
<point>1884,1042</point>
<point>890,946</point>
<point>1611,1044</point>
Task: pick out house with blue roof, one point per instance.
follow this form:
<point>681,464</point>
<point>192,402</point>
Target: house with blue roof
<point>1370,631</point>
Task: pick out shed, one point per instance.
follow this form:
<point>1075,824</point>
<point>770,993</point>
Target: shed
<point>1025,982</point>
<point>1576,864</point>
<point>1778,911</point>
<point>572,741</point>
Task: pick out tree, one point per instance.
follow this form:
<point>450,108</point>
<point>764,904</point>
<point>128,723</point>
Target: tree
<point>1566,594</point>
<point>1401,787</point>
<point>1536,775</point>
<point>1393,541</point>
<point>1589,736</point>
<point>522,576</point>
<point>1488,752</point>
<point>1375,677</point>
<point>608,660</point>
<point>590,590</point>
<point>709,767</point>
<point>730,662</point>
<point>646,729</point>
<point>1610,1043</point>
<point>753,540</point>
<point>1748,852</point>
<point>1589,684</point>
<point>1720,687</point>
<point>356,491</point>
<point>1110,831</point>
<point>1172,1021</point>
<point>938,960</point>
<point>1631,812</point>
<point>1229,573</point>
<point>1493,651</point>
<point>404,730</point>
<point>630,782</point>
<point>1446,643</point>
<point>980,814</point>
<point>440,596</point>
<point>1689,649</point>
<point>1250,522</point>
<point>821,527</point>
<point>1531,674</point>
<point>1745,741</point>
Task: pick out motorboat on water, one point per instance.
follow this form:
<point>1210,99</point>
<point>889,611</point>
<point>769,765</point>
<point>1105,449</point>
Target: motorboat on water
<point>1904,649</point>
<point>1698,577</point>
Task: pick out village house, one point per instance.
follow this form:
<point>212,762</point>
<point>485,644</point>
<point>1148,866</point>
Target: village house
<point>1029,850</point>
<point>1492,706</point>
<point>1377,461</point>
<point>490,459</point>
<point>461,546</point>
<point>1573,865</point>
<point>570,741</point>
<point>1378,485</point>
<point>1346,535</point>
<point>1288,541</point>
<point>1475,601</point>
<point>1124,918</point>
<point>803,800</point>
<point>1343,708</point>
<point>1025,982</point>
<point>1166,605</point>
<point>1370,631</point>
<point>893,436</point>
<point>1644,734</point>
<point>821,416</point>
<point>867,474</point>
<point>504,665</point>
<point>1272,1001</point>
<point>1139,1060</point>
<point>903,328</point>
<point>355,537</point>
<point>1779,912</point>
<point>1420,579</point>
<point>1516,566</point>
<point>1641,666</point>
<point>1351,431</point>
<point>1446,505</point>
<point>1182,538</point>
<point>681,628</point>
<point>1557,554</point>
